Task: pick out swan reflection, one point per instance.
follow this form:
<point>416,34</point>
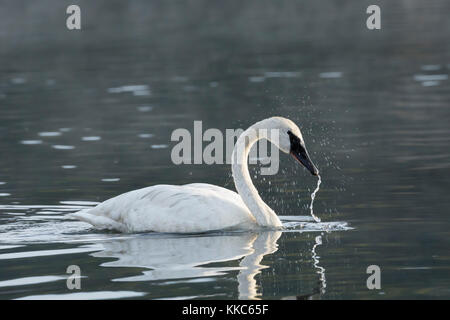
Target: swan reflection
<point>183,257</point>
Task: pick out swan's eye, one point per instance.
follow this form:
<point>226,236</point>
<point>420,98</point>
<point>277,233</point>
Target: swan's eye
<point>296,143</point>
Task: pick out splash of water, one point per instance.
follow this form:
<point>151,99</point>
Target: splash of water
<point>313,196</point>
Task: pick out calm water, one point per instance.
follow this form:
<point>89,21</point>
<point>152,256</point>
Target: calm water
<point>87,115</point>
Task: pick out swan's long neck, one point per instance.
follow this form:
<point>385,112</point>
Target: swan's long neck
<point>263,214</point>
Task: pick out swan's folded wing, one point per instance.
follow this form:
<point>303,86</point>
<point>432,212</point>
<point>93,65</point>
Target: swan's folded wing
<point>166,208</point>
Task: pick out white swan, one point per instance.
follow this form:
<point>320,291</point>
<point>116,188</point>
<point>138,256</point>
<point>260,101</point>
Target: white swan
<point>199,207</point>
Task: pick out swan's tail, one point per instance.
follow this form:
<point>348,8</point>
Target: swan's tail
<point>98,221</point>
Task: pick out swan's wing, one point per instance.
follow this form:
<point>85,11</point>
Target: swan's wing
<point>167,208</point>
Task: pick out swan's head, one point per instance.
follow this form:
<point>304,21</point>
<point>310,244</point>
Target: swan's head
<point>291,141</point>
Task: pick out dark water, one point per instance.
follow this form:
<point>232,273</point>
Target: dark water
<point>373,107</point>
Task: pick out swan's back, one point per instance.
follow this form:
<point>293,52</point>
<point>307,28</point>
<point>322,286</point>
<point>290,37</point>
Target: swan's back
<point>189,208</point>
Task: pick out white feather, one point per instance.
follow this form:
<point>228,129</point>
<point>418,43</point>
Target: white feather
<point>189,208</point>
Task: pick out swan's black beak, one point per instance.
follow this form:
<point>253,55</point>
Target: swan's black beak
<point>303,158</point>
<point>299,152</point>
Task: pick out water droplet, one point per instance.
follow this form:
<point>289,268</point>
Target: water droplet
<point>313,196</point>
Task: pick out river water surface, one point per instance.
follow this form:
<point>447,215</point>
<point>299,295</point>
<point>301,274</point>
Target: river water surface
<point>86,115</point>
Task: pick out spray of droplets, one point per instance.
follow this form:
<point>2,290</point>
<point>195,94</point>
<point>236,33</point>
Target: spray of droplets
<point>313,195</point>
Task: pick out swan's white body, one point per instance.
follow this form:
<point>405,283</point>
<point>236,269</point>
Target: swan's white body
<point>198,207</point>
<point>189,208</point>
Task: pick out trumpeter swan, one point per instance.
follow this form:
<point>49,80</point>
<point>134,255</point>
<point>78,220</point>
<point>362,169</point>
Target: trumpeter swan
<point>199,207</point>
